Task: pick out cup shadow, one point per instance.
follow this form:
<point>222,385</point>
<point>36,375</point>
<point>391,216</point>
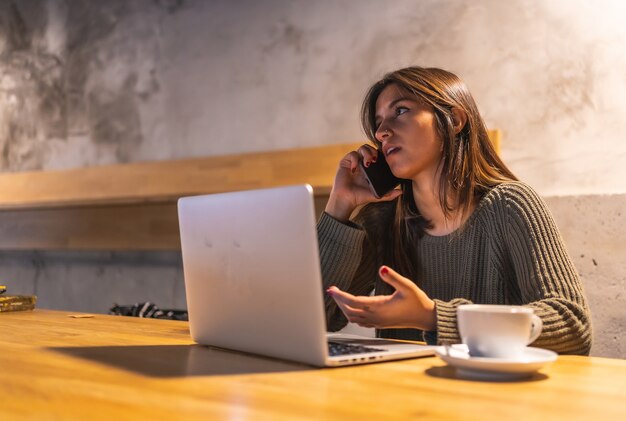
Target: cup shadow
<point>449,372</point>
<point>180,360</point>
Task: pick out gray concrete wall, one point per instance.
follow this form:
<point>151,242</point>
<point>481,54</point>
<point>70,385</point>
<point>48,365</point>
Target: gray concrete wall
<point>95,281</point>
<point>594,232</point>
<point>86,82</point>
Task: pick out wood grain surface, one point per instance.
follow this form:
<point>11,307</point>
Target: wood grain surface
<point>55,366</point>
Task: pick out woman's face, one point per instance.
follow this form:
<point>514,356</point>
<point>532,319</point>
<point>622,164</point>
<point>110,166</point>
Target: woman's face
<point>406,128</point>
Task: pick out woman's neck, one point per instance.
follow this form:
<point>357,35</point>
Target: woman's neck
<point>426,195</point>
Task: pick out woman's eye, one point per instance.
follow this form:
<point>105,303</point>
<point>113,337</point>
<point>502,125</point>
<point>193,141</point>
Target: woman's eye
<point>401,110</point>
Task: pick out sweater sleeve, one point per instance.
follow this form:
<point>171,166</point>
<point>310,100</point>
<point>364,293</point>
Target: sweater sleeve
<point>545,275</point>
<point>447,332</point>
<point>347,261</point>
<point>542,274</point>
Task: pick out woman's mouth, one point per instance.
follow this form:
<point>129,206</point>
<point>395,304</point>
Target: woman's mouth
<point>391,150</point>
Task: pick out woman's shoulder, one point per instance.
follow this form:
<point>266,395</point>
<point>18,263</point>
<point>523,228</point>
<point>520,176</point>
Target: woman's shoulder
<point>511,191</point>
<point>514,197</point>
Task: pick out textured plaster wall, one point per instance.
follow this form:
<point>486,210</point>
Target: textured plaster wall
<point>85,82</point>
<point>593,229</point>
<point>95,281</point>
<point>78,82</point>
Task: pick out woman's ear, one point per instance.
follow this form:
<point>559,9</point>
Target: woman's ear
<point>459,118</point>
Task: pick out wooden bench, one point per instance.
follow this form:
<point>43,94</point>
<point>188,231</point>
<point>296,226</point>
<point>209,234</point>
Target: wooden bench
<point>133,206</point>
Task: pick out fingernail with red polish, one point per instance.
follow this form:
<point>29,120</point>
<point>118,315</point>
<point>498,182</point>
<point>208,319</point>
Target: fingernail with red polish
<point>384,270</point>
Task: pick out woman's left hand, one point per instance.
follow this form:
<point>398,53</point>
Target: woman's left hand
<point>407,307</point>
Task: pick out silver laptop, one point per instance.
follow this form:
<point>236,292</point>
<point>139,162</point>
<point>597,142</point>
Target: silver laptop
<point>253,280</point>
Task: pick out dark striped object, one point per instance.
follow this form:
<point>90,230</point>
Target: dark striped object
<point>148,310</point>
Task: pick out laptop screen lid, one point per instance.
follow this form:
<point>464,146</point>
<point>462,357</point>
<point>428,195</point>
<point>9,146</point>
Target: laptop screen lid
<point>252,272</point>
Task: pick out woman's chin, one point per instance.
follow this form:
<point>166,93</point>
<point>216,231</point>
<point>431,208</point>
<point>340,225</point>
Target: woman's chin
<point>397,172</point>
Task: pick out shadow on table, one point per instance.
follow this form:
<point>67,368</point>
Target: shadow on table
<point>447,372</point>
<point>180,360</point>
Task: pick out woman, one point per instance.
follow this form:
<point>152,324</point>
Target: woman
<point>461,229</point>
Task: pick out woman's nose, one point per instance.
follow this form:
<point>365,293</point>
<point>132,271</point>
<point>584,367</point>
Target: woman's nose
<point>382,133</point>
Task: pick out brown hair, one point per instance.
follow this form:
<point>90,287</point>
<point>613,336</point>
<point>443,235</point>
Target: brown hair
<point>469,166</point>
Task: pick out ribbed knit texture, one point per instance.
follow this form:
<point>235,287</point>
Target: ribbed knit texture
<point>509,251</point>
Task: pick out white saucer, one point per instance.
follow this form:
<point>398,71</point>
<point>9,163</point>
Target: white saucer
<point>495,368</point>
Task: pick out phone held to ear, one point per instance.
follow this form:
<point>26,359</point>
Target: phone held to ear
<point>380,177</point>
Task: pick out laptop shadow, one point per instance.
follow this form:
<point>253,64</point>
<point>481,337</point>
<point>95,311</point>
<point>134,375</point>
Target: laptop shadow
<point>168,361</point>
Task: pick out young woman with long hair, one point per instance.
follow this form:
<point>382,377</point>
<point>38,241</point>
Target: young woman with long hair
<point>460,229</point>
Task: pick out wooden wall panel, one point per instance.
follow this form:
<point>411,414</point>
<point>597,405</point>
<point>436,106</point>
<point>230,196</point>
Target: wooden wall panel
<point>167,180</point>
<point>114,227</point>
<point>133,206</point>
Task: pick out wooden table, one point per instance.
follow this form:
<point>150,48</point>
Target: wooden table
<point>55,366</point>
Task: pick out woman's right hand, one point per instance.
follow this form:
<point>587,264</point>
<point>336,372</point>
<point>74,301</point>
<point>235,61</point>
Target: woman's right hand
<point>351,188</point>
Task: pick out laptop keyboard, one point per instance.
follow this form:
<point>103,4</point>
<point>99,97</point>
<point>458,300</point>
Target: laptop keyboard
<point>337,348</point>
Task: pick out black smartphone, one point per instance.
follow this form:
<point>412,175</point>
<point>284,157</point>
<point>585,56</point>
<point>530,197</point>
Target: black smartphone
<point>380,177</point>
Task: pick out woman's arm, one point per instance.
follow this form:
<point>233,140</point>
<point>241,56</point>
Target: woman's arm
<point>542,274</point>
<point>347,260</point>
<point>347,254</point>
<point>546,276</point>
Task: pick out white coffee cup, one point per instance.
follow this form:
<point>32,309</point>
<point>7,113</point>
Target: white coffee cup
<point>497,331</point>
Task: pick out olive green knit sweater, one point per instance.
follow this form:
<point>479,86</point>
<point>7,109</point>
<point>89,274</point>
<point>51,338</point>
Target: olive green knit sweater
<point>508,252</point>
